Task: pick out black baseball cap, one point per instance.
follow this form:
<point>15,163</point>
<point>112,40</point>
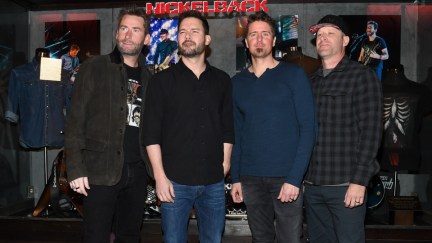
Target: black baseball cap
<point>332,21</point>
<point>163,31</point>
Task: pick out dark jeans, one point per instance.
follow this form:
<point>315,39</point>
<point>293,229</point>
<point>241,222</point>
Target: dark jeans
<point>118,209</point>
<point>263,208</point>
<point>328,220</point>
<point>378,71</point>
<point>209,204</point>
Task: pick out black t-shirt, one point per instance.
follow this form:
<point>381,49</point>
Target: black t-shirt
<point>377,46</point>
<point>405,104</point>
<point>131,139</point>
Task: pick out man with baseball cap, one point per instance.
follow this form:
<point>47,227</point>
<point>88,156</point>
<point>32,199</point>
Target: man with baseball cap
<point>349,108</point>
<point>164,49</point>
<point>330,20</point>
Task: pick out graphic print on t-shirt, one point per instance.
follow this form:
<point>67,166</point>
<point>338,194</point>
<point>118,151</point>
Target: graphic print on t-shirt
<point>134,103</point>
<point>396,116</point>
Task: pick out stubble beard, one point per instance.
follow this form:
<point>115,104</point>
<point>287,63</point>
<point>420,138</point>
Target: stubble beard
<point>192,52</point>
<point>135,51</point>
<point>323,52</point>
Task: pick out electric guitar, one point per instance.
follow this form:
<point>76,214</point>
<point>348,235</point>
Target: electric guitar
<point>58,184</point>
<point>70,73</point>
<point>376,192</point>
<point>165,64</point>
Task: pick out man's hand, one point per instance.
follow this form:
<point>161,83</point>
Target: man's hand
<point>355,195</point>
<point>375,55</point>
<point>165,190</point>
<point>288,193</point>
<point>237,193</point>
<point>80,185</point>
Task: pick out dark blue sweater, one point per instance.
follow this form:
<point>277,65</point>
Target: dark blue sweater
<point>274,119</point>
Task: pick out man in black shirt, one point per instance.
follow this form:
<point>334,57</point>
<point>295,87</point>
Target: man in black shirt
<point>188,131</point>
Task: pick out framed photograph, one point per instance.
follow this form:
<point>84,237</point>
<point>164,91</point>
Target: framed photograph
<point>389,29</point>
<point>163,43</point>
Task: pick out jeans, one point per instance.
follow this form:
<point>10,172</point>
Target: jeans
<point>378,71</point>
<point>328,220</point>
<point>263,209</point>
<point>118,209</point>
<point>209,204</point>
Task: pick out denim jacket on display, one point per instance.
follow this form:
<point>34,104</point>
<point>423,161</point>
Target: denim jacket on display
<point>37,106</point>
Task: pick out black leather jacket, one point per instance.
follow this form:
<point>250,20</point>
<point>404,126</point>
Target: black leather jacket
<point>96,123</point>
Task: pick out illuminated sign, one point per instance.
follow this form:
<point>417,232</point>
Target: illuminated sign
<point>204,6</point>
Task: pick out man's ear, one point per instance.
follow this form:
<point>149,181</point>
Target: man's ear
<point>346,40</point>
<point>207,40</point>
<point>147,39</point>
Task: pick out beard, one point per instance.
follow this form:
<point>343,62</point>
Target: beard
<point>371,33</point>
<point>134,51</point>
<point>260,52</point>
<point>191,52</point>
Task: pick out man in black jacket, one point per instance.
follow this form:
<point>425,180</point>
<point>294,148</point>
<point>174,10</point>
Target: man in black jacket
<point>104,156</point>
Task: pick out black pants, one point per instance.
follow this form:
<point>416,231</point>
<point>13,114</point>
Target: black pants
<point>328,220</point>
<point>264,209</point>
<point>118,209</point>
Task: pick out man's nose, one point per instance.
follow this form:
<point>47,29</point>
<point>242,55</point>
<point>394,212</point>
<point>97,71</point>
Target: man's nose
<point>187,35</point>
<point>128,33</point>
<point>260,37</point>
<point>323,36</point>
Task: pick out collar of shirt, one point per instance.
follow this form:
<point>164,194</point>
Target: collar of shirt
<point>339,68</point>
<point>183,68</point>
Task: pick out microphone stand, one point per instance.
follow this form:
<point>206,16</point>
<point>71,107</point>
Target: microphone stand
<point>354,44</point>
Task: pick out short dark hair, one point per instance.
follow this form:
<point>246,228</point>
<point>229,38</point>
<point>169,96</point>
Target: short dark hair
<point>375,24</point>
<point>136,109</point>
<point>260,16</point>
<point>195,14</point>
<point>163,31</point>
<point>135,11</point>
<point>74,47</point>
